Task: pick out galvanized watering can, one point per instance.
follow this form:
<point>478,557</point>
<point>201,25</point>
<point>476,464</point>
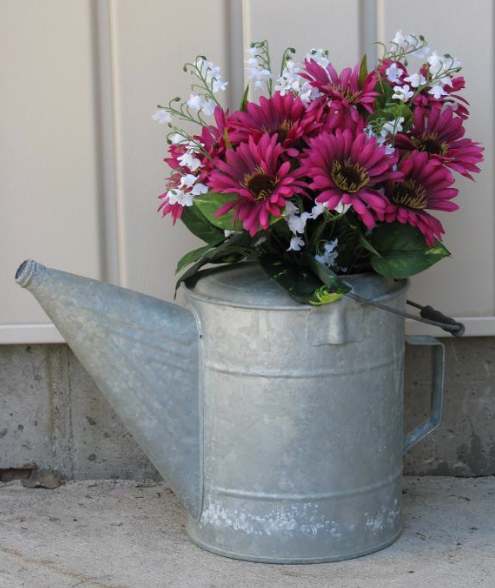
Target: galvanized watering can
<point>278,425</point>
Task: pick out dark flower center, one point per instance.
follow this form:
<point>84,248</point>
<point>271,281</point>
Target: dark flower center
<point>349,177</point>
<point>429,142</point>
<point>351,97</point>
<point>259,184</point>
<point>410,194</point>
<point>284,129</point>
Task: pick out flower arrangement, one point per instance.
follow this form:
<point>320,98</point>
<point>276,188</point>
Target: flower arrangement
<point>324,174</point>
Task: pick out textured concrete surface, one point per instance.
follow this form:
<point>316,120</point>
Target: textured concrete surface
<point>124,534</point>
<point>52,414</point>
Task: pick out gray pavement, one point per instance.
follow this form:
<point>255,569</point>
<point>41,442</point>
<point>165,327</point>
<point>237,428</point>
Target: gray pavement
<point>123,534</point>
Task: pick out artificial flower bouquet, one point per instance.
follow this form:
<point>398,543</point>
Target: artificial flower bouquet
<point>320,175</point>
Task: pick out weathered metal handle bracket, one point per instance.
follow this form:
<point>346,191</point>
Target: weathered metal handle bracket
<point>437,379</point>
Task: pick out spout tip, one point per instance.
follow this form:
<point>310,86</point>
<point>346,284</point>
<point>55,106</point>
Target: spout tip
<point>26,272</point>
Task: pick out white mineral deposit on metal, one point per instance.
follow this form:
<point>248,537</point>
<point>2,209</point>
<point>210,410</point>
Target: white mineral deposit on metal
<point>278,425</point>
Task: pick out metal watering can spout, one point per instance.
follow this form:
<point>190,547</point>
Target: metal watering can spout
<point>143,354</point>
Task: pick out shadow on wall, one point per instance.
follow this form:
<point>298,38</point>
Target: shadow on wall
<point>52,415</point>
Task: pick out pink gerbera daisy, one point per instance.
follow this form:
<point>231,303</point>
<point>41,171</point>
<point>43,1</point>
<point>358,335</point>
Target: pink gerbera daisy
<point>426,185</point>
<point>346,168</point>
<point>440,133</point>
<point>281,115</point>
<point>257,174</point>
<point>343,92</point>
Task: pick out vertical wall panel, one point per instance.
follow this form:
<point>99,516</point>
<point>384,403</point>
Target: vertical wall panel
<point>465,284</point>
<point>48,168</point>
<point>330,25</point>
<point>80,157</point>
<point>151,40</point>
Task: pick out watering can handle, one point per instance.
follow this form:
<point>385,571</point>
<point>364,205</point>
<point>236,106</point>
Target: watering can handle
<point>438,364</point>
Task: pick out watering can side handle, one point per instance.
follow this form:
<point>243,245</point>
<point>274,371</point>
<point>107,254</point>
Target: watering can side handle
<point>437,378</point>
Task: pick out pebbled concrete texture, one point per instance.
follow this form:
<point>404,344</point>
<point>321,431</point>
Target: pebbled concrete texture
<point>123,534</point>
<point>52,414</point>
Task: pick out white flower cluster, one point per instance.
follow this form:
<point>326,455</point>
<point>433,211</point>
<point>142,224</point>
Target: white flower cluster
<point>210,74</point>
<point>440,67</point>
<point>329,255</point>
<point>297,223</point>
<point>188,158</point>
<point>188,188</point>
<point>257,73</point>
<point>292,81</point>
<point>391,127</point>
<point>409,44</point>
<point>161,116</point>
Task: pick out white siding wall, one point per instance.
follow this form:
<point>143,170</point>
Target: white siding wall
<point>80,158</point>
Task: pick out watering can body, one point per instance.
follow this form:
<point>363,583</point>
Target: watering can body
<point>280,426</point>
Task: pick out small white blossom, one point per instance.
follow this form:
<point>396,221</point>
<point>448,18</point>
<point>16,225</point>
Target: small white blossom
<point>319,56</point>
<point>161,116</point>
<point>403,93</point>
<point>437,91</point>
<point>408,42</point>
<point>195,102</point>
<point>208,107</point>
<point>187,180</point>
<point>399,39</point>
<point>329,256</point>
<point>180,197</point>
<point>177,138</point>
<point>199,189</point>
<point>394,73</point>
<point>392,127</point>
<point>211,73</point>
<point>342,208</point>
<point>416,80</point>
<point>256,72</point>
<point>317,210</point>
<point>187,159</point>
<point>295,244</point>
<point>291,81</point>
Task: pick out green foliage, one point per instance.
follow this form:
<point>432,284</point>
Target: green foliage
<point>403,251</point>
<point>231,250</point>
<point>245,99</point>
<point>199,226</point>
<point>363,71</point>
<point>209,203</point>
<point>301,282</point>
<point>392,112</point>
<point>191,257</point>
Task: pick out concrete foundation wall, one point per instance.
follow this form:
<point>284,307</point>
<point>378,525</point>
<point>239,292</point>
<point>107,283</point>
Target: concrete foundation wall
<point>52,415</point>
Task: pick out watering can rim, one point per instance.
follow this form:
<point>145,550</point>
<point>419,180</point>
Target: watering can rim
<point>219,295</point>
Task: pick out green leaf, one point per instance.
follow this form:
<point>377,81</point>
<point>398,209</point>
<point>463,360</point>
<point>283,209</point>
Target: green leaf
<point>300,282</point>
<point>403,251</point>
<point>236,245</point>
<point>392,112</point>
<point>368,246</point>
<point>191,257</point>
<point>334,284</point>
<point>245,99</point>
<point>199,226</point>
<point>209,203</point>
<point>363,71</point>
